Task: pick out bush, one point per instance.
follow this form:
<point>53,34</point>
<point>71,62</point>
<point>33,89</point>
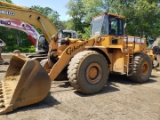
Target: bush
<point>29,49</point>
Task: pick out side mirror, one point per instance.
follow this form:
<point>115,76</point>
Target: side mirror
<point>124,27</point>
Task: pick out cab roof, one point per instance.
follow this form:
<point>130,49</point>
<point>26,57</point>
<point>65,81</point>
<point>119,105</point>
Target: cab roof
<point>108,13</point>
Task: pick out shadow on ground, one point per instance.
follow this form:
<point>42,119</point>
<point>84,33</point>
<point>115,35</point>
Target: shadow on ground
<point>125,80</point>
<point>49,101</point>
<point>112,85</point>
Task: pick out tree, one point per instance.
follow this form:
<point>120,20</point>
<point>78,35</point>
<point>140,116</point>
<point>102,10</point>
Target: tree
<point>142,16</point>
<point>77,13</point>
<point>14,39</point>
<point>51,14</point>
<point>9,1</point>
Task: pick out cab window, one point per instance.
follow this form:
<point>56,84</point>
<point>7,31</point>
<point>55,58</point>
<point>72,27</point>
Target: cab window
<point>115,26</point>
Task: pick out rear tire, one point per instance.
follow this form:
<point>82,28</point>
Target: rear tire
<point>88,72</point>
<point>142,68</point>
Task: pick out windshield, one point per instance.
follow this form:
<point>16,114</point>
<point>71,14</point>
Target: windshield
<point>115,25</point>
<point>107,25</point>
<point>67,35</point>
<point>97,25</point>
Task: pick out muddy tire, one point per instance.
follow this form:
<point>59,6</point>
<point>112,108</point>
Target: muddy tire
<point>88,72</point>
<point>142,68</point>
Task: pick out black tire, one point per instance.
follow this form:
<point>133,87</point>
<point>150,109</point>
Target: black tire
<point>88,72</point>
<point>142,68</point>
<point>155,50</point>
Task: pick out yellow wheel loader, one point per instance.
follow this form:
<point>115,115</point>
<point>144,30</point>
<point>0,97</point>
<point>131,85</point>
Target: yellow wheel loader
<point>87,63</point>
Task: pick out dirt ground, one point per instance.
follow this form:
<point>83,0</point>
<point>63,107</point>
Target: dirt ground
<point>121,99</point>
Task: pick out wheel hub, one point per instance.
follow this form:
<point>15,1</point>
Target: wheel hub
<point>145,68</point>
<point>94,73</point>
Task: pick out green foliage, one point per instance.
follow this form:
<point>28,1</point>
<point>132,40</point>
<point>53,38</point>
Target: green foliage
<point>51,14</point>
<point>142,16</point>
<point>9,1</point>
<point>43,10</point>
<point>94,7</point>
<point>87,34</point>
<point>76,11</point>
<point>15,39</point>
<point>30,49</point>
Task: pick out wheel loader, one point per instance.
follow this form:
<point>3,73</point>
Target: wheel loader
<point>87,63</point>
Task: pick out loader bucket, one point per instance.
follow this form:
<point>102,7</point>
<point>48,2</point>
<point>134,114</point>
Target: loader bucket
<point>25,83</point>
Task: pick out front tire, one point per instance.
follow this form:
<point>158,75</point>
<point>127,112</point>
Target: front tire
<point>142,68</point>
<point>88,72</point>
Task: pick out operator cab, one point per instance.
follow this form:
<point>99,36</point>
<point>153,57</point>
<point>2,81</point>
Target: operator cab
<point>42,44</point>
<point>69,34</point>
<point>108,24</point>
<point>66,34</point>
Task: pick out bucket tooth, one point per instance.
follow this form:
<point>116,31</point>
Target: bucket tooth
<point>1,101</point>
<point>2,105</point>
<point>6,85</point>
<point>8,97</point>
<point>8,90</point>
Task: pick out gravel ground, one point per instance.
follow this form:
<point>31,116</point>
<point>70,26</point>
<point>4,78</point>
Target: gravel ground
<point>121,99</point>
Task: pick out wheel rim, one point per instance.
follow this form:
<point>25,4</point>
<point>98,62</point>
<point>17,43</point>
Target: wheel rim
<point>94,73</point>
<point>145,68</point>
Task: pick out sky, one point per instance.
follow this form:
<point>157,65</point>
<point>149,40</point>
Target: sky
<point>56,5</point>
